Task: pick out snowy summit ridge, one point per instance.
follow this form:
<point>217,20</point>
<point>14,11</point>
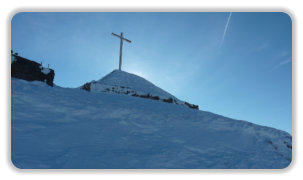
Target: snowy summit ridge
<point>122,82</point>
<point>132,82</point>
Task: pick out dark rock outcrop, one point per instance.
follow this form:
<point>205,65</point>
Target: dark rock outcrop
<point>25,69</point>
<point>191,105</point>
<point>86,87</point>
<point>169,100</point>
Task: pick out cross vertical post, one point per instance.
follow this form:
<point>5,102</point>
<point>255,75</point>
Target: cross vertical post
<point>121,45</point>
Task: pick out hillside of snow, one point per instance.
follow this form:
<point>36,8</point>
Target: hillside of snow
<point>121,82</point>
<point>54,127</point>
<point>134,82</point>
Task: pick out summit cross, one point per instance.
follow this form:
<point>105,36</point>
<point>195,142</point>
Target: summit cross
<point>121,44</point>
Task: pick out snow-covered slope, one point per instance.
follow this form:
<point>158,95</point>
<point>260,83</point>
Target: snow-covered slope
<point>54,127</point>
<point>121,82</point>
<point>133,82</point>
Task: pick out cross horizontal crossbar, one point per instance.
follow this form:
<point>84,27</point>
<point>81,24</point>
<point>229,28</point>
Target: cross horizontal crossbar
<point>121,37</point>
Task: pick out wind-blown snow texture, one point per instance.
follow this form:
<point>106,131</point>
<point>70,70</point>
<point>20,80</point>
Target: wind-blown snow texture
<point>54,127</point>
<point>136,83</point>
<point>122,82</point>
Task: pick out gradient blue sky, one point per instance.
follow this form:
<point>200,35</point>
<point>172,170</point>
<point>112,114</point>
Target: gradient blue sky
<point>234,64</point>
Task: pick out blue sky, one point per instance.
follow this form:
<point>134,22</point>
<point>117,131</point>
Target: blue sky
<point>234,64</point>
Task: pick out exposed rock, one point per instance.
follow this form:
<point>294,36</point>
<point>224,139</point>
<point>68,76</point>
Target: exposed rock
<point>155,97</point>
<point>86,87</point>
<point>25,69</point>
<point>191,105</point>
<point>145,96</point>
<point>169,100</point>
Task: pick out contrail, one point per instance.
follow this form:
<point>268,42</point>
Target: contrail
<point>225,29</point>
<point>288,60</point>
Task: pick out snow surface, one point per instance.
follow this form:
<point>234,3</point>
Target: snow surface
<point>54,127</point>
<point>126,83</point>
<point>44,70</point>
<point>133,82</point>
